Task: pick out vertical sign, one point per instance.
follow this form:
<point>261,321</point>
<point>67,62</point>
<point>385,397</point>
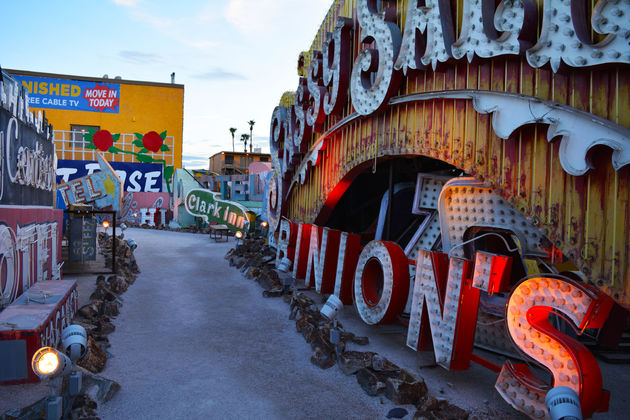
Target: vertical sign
<point>82,239</point>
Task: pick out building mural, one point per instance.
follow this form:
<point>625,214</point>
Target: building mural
<point>128,120</point>
<point>456,136</point>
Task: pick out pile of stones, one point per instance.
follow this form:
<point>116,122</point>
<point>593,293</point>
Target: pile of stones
<point>256,260</point>
<point>374,373</point>
<point>126,265</point>
<point>96,317</point>
<point>327,338</point>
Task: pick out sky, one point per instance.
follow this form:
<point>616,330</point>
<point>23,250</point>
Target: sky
<point>235,58</point>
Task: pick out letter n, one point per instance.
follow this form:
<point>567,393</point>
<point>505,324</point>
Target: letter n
<point>444,301</point>
<point>301,251</point>
<point>322,259</point>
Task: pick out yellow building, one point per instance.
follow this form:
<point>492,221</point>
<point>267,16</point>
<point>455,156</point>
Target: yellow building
<point>77,105</point>
<point>231,163</point>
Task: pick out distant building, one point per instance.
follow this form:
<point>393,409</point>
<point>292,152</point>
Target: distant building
<point>234,163</point>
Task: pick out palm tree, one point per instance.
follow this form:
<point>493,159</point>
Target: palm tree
<point>251,136</point>
<point>232,130</point>
<point>244,138</point>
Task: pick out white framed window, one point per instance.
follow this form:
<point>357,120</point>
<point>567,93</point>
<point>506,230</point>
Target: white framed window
<point>78,131</point>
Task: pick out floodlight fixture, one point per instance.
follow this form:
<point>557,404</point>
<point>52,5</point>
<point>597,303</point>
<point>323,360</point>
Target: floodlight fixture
<point>563,403</point>
<point>74,341</point>
<point>48,363</point>
<point>106,224</point>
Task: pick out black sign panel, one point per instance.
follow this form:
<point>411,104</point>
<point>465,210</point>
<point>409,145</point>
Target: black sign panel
<point>27,164</point>
<point>82,238</point>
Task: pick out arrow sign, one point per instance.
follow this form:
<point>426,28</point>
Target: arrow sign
<point>103,188</point>
<point>207,205</point>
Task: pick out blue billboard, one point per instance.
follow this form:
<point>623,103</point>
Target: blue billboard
<point>136,177</point>
<point>75,95</point>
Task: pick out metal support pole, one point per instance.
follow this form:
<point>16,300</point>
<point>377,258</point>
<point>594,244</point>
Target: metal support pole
<point>390,197</point>
<point>114,244</point>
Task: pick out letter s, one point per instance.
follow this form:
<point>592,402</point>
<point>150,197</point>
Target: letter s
<point>570,362</point>
<point>133,181</point>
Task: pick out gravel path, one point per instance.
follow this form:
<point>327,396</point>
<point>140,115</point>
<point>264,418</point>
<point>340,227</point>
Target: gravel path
<point>195,339</point>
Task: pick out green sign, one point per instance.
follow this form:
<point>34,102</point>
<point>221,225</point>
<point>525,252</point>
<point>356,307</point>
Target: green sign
<point>207,205</point>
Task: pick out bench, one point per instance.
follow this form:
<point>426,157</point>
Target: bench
<point>219,233</point>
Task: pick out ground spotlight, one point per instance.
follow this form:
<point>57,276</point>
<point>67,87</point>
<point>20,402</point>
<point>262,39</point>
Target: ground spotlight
<point>74,341</point>
<point>238,235</point>
<point>284,265</point>
<point>264,224</point>
<point>563,403</point>
<point>105,224</point>
<point>332,307</point>
<point>48,363</point>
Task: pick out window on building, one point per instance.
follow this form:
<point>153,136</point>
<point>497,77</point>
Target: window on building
<point>264,158</point>
<point>229,159</point>
<point>243,161</point>
<point>77,134</point>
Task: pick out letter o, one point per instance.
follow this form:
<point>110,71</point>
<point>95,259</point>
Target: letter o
<point>381,282</point>
<point>8,260</point>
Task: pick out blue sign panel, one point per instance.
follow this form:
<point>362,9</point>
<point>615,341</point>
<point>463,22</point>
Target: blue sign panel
<point>137,177</point>
<point>76,95</point>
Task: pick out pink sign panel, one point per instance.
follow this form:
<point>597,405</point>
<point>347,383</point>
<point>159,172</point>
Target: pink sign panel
<point>30,248</point>
<point>134,201</point>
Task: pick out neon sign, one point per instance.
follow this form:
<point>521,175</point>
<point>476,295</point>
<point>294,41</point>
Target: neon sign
<point>429,40</point>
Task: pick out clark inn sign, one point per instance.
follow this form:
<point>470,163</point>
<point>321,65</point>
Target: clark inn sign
<point>344,112</point>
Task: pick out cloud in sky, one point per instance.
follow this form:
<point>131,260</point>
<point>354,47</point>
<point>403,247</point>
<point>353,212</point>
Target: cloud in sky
<point>127,3</point>
<point>220,74</point>
<point>253,16</point>
<point>139,57</point>
<point>194,162</point>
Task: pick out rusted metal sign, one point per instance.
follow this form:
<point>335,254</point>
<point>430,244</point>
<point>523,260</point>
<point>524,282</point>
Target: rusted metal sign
<point>531,121</point>
<point>525,98</point>
<point>103,188</point>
